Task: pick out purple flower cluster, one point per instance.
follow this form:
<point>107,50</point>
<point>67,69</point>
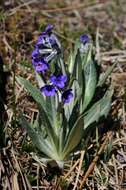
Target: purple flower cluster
<point>58,81</point>
<point>46,49</point>
<point>57,85</point>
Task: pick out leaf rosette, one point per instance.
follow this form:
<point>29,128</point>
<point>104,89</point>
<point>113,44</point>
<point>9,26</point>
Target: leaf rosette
<point>65,95</point>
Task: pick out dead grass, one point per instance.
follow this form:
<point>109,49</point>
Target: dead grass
<point>21,22</point>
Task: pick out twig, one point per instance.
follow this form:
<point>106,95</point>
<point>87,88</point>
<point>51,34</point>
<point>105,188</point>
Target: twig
<point>69,8</point>
<point>98,56</point>
<point>76,6</point>
<point>65,38</point>
<point>116,172</point>
<point>14,10</point>
<point>55,10</point>
<point>27,5</point>
<point>7,44</point>
<point>120,58</point>
<point>38,168</point>
<point>92,165</point>
<point>76,163</point>
<point>17,165</point>
<point>79,170</point>
<point>114,52</point>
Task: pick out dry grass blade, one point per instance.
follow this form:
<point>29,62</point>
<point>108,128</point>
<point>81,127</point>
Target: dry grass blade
<point>98,55</point>
<point>79,169</point>
<point>14,10</point>
<point>73,167</point>
<point>11,176</point>
<point>20,24</point>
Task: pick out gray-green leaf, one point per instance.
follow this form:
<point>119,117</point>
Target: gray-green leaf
<point>74,136</point>
<point>90,83</point>
<point>36,94</point>
<point>99,109</point>
<point>41,143</point>
<point>105,75</point>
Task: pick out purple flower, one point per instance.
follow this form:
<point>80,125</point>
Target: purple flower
<point>58,81</point>
<point>84,38</point>
<point>54,41</point>
<point>49,28</point>
<point>67,96</point>
<point>40,65</point>
<point>36,57</point>
<point>35,54</point>
<point>48,90</point>
<point>48,41</point>
<point>48,45</point>
<point>43,40</point>
<point>46,38</point>
<point>84,43</point>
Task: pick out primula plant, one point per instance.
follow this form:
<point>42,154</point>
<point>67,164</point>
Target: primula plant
<point>65,95</point>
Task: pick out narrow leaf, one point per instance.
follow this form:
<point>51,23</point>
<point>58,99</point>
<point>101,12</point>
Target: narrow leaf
<point>48,127</point>
<point>90,83</point>
<point>74,136</point>
<point>105,75</point>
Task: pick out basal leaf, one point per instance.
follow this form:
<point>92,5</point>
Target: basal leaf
<point>49,128</point>
<point>74,59</point>
<point>77,67</point>
<point>74,136</point>
<point>105,75</point>
<point>52,103</point>
<point>90,83</point>
<point>99,109</point>
<point>41,143</point>
<point>44,108</point>
<point>63,133</point>
<point>79,74</point>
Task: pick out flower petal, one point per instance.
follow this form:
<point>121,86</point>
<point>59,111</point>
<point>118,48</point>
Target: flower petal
<point>67,96</point>
<point>48,90</point>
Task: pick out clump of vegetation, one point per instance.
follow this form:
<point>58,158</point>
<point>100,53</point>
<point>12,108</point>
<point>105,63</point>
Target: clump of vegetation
<point>65,95</point>
<point>98,161</point>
